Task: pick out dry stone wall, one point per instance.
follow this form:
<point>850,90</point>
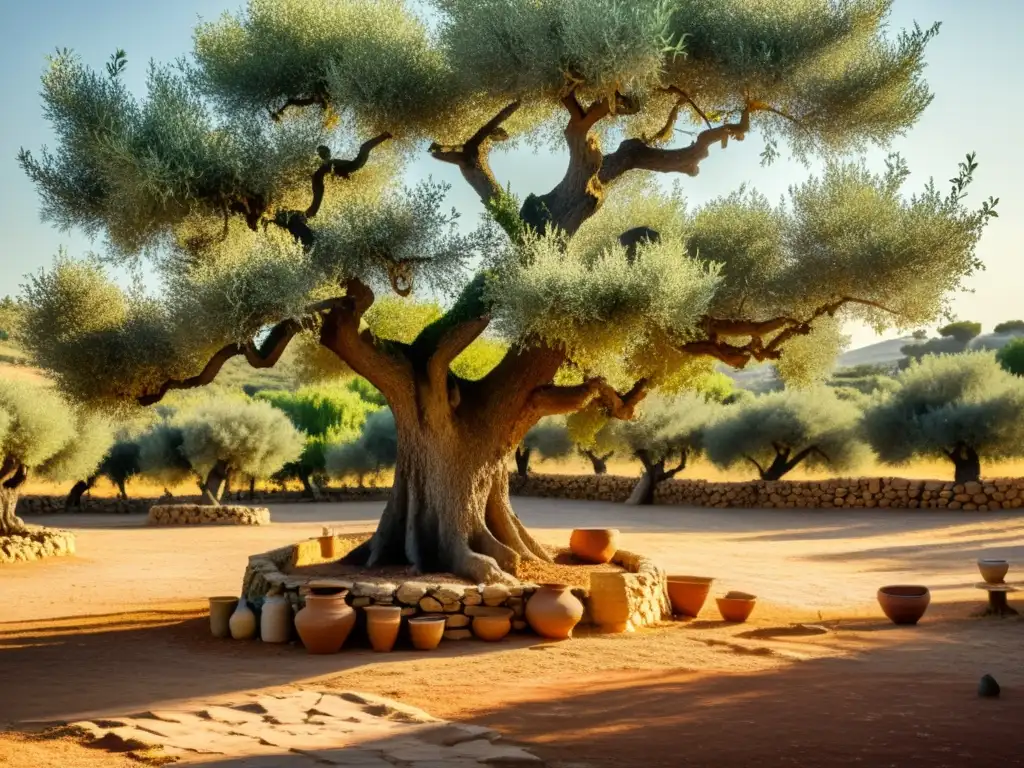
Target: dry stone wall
<point>859,492</point>
<point>198,514</point>
<point>622,602</point>
<point>35,544</point>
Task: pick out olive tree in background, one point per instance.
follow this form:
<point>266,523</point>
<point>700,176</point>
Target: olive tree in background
<point>666,434</point>
<point>326,414</point>
<point>218,439</point>
<point>375,450</point>
<point>779,431</point>
<point>268,188</point>
<point>1011,357</point>
<point>964,408</point>
<point>119,466</point>
<point>548,439</point>
<point>40,433</point>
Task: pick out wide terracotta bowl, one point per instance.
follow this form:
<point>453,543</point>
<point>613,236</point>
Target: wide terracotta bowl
<point>594,545</point>
<point>688,593</point>
<point>993,571</point>
<point>736,606</point>
<point>904,603</point>
<point>426,632</point>
<point>492,624</point>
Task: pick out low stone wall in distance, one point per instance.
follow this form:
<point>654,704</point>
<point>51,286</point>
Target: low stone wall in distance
<point>35,544</point>
<point>198,514</point>
<point>867,492</point>
<point>615,601</point>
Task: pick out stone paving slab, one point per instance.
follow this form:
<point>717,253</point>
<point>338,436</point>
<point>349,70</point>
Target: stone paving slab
<point>303,729</point>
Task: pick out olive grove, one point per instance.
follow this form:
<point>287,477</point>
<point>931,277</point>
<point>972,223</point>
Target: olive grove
<point>963,408</point>
<point>547,439</point>
<point>261,177</point>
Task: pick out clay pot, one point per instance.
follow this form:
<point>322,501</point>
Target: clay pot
<point>327,587</point>
<point>325,623</point>
<point>736,606</point>
<point>327,547</point>
<point>904,604</point>
<point>492,624</point>
<point>276,620</point>
<point>221,609</point>
<point>382,625</point>
<point>688,593</point>
<point>426,632</point>
<point>552,611</point>
<point>993,571</point>
<point>243,621</point>
<point>594,545</point>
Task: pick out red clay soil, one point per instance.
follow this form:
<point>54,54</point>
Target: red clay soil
<point>565,570</point>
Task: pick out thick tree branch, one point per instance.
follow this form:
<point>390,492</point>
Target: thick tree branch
<point>670,473</point>
<point>340,168</point>
<point>737,356</point>
<point>471,157</point>
<point>297,103</point>
<point>551,400</point>
<point>760,469</point>
<point>635,154</point>
<point>451,344</point>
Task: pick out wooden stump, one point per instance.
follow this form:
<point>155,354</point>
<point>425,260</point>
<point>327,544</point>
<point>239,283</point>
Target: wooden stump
<point>997,605</point>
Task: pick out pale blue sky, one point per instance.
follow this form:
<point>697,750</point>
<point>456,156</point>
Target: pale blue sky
<point>974,66</point>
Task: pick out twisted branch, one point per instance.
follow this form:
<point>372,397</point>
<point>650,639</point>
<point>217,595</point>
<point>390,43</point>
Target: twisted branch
<point>471,157</point>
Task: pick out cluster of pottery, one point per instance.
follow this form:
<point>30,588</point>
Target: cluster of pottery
<point>907,603</point>
<point>688,594</point>
<point>327,620</point>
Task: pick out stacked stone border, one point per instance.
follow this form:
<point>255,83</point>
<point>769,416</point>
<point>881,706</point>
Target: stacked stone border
<point>881,492</point>
<point>35,544</point>
<point>198,514</point>
<point>616,601</point>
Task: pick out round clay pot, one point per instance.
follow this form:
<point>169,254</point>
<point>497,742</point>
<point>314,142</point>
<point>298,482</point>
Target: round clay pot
<point>325,623</point>
<point>243,621</point>
<point>736,606</point>
<point>221,609</point>
<point>594,545</point>
<point>904,604</point>
<point>276,620</point>
<point>426,632</point>
<point>552,611</point>
<point>327,547</point>
<point>492,624</point>
<point>993,571</point>
<point>688,593</point>
<point>382,625</point>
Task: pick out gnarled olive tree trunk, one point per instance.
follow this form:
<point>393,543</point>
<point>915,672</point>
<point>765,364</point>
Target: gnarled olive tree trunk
<point>523,461</point>
<point>12,477</point>
<point>967,464</point>
<point>78,490</point>
<point>216,483</point>
<point>599,463</point>
<point>654,474</point>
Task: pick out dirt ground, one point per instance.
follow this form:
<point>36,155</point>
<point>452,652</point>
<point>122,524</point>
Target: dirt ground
<point>816,678</point>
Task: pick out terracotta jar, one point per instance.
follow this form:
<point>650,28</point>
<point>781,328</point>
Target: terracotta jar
<point>594,545</point>
<point>492,624</point>
<point>276,620</point>
<point>221,609</point>
<point>688,593</point>
<point>993,571</point>
<point>325,623</point>
<point>327,547</point>
<point>382,625</point>
<point>904,604</point>
<point>736,606</point>
<point>426,631</point>
<point>243,621</point>
<point>552,611</point>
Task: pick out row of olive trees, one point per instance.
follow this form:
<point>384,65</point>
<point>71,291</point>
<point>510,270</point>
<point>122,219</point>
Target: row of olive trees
<point>960,408</point>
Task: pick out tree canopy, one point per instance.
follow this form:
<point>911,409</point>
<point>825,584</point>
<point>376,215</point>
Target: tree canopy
<point>962,330</point>
<point>779,431</point>
<point>1011,357</point>
<point>964,408</point>
<point>260,176</point>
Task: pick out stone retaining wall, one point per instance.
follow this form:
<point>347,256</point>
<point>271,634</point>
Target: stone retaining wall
<point>36,544</point>
<point>885,492</point>
<point>615,601</point>
<point>197,514</point>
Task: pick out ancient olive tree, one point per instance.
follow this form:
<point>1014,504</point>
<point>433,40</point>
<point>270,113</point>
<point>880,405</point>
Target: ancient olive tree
<point>375,450</point>
<point>261,175</point>
<point>779,431</point>
<point>40,433</point>
<point>326,414</point>
<point>963,408</point>
<point>666,431</point>
<point>119,466</point>
<point>218,439</point>
<point>548,439</point>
